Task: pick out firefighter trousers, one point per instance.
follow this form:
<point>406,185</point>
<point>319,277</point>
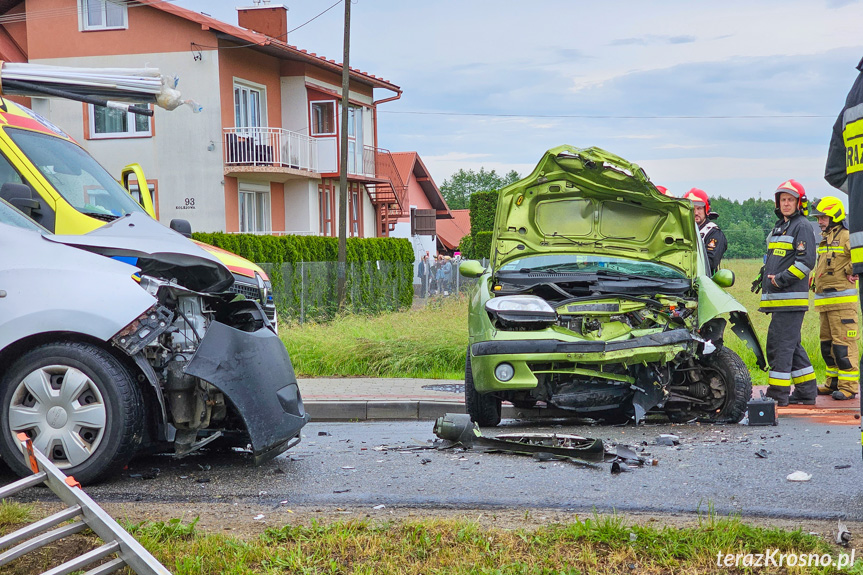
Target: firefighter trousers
<point>839,349</point>
<point>789,363</point>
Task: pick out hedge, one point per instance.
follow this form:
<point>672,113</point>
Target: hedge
<point>305,291</point>
<point>483,206</point>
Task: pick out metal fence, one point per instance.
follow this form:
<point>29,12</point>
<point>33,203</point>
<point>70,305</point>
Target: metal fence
<point>446,284</point>
<point>307,291</point>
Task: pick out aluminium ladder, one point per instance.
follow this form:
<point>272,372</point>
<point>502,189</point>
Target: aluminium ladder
<point>86,514</point>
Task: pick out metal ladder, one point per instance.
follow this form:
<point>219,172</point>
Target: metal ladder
<point>89,516</point>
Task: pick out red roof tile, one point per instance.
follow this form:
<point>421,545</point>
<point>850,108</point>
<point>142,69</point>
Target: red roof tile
<point>452,231</point>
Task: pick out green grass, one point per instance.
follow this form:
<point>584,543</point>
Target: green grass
<point>595,544</point>
<point>426,343</point>
<point>431,342</point>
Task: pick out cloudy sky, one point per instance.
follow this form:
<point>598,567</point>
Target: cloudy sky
<point>733,97</point>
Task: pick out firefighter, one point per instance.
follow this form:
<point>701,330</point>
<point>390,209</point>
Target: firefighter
<point>785,281</point>
<point>836,301</point>
<point>714,240</point>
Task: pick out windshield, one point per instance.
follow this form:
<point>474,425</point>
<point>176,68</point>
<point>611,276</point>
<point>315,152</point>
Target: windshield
<point>11,216</point>
<point>75,175</point>
<point>564,263</point>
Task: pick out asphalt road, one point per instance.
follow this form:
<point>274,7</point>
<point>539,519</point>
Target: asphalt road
<point>368,464</point>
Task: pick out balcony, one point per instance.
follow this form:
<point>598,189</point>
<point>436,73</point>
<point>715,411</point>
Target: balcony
<point>277,154</point>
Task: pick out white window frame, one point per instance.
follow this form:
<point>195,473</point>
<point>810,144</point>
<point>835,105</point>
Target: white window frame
<point>84,15</point>
<point>130,123</point>
<point>312,118</point>
<point>259,196</point>
<point>246,86</point>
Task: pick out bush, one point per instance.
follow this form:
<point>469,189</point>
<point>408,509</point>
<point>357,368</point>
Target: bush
<point>367,279</point>
<point>483,206</point>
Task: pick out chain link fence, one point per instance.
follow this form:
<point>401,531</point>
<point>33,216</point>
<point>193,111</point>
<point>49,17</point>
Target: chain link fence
<point>442,282</point>
<point>307,291</point>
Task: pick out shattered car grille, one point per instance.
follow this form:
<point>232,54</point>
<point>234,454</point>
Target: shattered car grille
<point>250,291</point>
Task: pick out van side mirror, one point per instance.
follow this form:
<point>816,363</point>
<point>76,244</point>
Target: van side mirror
<point>182,227</point>
<point>21,196</point>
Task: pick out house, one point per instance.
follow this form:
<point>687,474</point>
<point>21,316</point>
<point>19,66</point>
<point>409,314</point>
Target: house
<point>426,206</point>
<point>262,156</point>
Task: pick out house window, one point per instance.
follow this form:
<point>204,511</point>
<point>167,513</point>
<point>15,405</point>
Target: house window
<point>254,209</point>
<point>102,14</point>
<point>324,118</point>
<point>355,210</point>
<point>355,140</point>
<point>326,200</point>
<point>115,123</point>
<point>248,106</point>
<point>135,192</point>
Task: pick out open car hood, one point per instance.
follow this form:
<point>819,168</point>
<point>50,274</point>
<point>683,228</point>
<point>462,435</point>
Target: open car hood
<point>159,251</point>
<point>588,201</point>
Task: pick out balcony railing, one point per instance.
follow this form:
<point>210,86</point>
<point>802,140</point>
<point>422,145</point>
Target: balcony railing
<point>270,147</point>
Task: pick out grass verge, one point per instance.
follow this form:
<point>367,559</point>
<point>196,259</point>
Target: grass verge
<point>425,343</point>
<point>598,544</point>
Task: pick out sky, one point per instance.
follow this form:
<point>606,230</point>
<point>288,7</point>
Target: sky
<point>733,97</point>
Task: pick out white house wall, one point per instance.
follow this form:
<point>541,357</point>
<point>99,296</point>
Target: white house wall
<point>177,156</point>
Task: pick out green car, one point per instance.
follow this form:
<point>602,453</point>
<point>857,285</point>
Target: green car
<point>597,300</point>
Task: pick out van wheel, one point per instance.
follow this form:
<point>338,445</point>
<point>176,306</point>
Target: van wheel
<point>483,408</point>
<point>79,405</point>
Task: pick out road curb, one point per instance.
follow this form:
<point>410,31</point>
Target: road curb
<point>395,410</point>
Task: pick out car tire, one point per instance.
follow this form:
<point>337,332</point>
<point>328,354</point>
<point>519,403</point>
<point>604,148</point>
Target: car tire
<point>483,408</point>
<point>738,384</point>
<point>79,404</point>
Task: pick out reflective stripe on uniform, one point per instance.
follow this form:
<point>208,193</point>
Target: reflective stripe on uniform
<point>856,240</point>
<point>852,135</point>
<point>779,246</point>
<point>831,249</point>
<point>787,299</point>
<point>849,375</point>
<point>831,372</point>
<point>844,296</point>
<point>803,375</point>
<point>780,378</point>
<point>798,271</point>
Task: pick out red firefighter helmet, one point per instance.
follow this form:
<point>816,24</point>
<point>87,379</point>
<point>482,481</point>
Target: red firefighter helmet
<point>662,190</point>
<point>796,189</point>
<point>698,197</point>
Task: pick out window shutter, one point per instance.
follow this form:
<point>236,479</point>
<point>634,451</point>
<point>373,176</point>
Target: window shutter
<point>423,222</point>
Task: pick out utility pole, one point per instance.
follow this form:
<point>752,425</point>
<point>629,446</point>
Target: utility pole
<point>343,163</point>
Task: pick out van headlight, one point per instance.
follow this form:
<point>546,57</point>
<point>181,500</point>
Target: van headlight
<point>521,311</point>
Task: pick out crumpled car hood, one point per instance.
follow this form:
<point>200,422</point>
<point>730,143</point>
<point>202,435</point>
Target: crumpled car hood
<point>159,251</point>
<point>588,201</point>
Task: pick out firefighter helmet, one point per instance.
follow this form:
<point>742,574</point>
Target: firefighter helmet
<point>698,197</point>
<point>794,188</point>
<point>662,190</point>
<point>831,207</point>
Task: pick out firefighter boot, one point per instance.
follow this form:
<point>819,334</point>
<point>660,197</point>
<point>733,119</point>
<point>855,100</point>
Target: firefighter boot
<point>842,395</point>
<point>830,385</point>
<point>804,393</point>
<point>778,393</point>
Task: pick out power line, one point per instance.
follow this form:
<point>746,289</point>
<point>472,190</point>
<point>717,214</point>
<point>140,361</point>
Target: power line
<point>608,116</point>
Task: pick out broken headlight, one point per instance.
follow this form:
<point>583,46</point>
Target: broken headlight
<point>521,311</point>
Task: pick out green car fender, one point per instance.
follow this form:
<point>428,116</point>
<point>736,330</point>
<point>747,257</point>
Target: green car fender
<point>714,301</point>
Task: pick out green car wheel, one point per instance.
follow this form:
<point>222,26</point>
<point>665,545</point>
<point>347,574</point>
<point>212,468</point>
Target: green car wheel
<point>484,409</point>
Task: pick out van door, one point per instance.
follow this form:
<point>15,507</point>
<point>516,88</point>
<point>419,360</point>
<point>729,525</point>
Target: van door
<point>142,193</point>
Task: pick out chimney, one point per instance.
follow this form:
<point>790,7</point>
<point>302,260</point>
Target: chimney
<point>266,18</point>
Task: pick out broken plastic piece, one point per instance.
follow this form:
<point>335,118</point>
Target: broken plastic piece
<point>799,476</point>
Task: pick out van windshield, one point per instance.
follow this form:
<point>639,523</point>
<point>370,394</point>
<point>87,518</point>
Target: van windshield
<point>76,175</point>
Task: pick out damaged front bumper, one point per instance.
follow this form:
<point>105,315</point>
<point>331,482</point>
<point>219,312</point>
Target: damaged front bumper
<point>254,372</point>
<point>531,356</point>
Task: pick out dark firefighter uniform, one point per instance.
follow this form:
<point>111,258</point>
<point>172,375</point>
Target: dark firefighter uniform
<point>790,258</point>
<point>714,243</point>
<point>844,168</point>
<point>836,302</point>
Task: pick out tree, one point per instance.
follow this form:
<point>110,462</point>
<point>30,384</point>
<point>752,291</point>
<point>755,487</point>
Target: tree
<point>457,189</point>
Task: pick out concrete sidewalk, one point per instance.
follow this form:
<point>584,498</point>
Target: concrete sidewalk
<point>364,399</point>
